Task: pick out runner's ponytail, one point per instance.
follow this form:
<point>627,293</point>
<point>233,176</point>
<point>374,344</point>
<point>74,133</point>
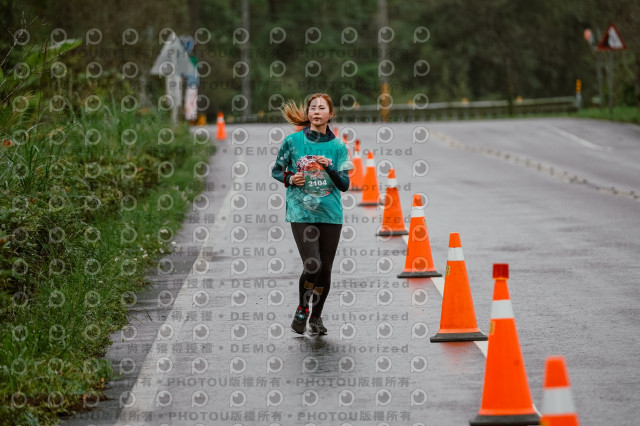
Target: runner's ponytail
<point>295,114</point>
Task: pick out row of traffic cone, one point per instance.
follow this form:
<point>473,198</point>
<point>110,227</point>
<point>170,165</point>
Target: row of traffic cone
<point>419,262</point>
<point>506,399</point>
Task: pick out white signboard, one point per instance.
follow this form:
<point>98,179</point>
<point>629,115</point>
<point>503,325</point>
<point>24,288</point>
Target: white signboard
<point>173,59</point>
<point>611,40</point>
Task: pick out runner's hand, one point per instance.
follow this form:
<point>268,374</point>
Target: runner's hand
<point>322,160</point>
<point>298,179</point>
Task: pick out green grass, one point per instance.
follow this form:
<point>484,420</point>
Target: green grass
<point>625,114</point>
<point>81,220</point>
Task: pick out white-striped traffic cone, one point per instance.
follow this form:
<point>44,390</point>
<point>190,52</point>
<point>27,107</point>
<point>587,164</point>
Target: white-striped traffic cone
<point>370,190</point>
<point>392,219</point>
<point>557,401</point>
<point>506,399</point>
<point>418,262</point>
<point>356,174</point>
<point>458,317</point>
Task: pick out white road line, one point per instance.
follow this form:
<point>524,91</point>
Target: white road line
<point>144,396</point>
<point>581,141</point>
<point>483,345</point>
<point>439,283</point>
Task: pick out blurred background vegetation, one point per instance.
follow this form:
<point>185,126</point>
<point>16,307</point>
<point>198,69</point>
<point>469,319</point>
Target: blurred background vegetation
<point>87,160</point>
<point>477,49</point>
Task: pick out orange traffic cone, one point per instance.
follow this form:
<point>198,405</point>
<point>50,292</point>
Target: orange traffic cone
<point>557,401</point>
<point>355,175</point>
<point>458,318</point>
<point>418,263</point>
<point>222,130</point>
<point>506,399</point>
<point>392,219</point>
<point>370,190</point>
<point>346,144</point>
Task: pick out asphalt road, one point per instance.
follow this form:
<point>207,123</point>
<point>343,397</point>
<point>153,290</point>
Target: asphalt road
<point>556,199</point>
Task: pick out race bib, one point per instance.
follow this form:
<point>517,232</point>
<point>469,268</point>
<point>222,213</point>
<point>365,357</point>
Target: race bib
<point>317,181</point>
<point>317,184</point>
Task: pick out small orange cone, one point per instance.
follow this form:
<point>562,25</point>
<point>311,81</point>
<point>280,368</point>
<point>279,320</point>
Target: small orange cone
<point>392,219</point>
<point>506,399</point>
<point>370,190</point>
<point>222,130</point>
<point>355,175</point>
<point>458,318</point>
<point>418,263</point>
<point>557,401</point>
<point>346,144</point>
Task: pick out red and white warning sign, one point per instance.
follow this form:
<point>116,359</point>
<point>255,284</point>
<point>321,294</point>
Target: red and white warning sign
<point>611,40</point>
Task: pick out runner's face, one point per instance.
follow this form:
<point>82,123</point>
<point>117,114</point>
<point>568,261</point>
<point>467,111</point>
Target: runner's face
<point>319,114</point>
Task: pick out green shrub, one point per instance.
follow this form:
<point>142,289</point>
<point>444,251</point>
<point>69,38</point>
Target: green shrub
<point>80,184</point>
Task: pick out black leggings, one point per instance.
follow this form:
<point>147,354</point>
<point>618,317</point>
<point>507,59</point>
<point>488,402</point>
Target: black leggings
<point>317,245</point>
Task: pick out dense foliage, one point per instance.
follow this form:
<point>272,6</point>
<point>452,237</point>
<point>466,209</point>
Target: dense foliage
<point>93,183</point>
<point>476,49</point>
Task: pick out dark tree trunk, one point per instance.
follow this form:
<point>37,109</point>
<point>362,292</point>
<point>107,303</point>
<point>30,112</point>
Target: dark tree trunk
<point>509,83</point>
<point>194,15</point>
<point>638,81</point>
<point>273,7</point>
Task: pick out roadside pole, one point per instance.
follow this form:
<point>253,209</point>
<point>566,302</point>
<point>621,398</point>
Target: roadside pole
<point>611,41</point>
<point>578,94</point>
<point>599,72</point>
<point>384,99</point>
<point>611,83</point>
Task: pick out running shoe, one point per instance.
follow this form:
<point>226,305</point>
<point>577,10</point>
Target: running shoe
<point>316,326</point>
<point>299,323</point>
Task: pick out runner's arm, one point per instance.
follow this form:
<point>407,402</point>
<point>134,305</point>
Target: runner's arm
<point>340,179</point>
<point>280,174</point>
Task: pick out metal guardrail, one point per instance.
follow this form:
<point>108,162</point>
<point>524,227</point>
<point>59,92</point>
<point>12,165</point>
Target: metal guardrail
<point>434,111</point>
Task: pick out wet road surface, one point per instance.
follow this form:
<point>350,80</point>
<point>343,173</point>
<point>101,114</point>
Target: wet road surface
<point>555,199</point>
